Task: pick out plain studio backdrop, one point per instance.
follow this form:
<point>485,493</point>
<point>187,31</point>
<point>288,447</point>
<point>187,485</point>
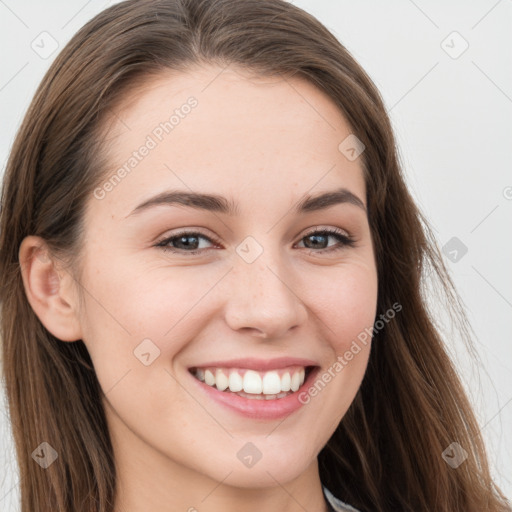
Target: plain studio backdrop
<point>444,71</point>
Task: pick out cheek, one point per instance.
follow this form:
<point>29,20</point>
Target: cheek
<point>344,300</point>
<point>138,301</point>
<point>345,303</point>
<point>130,313</point>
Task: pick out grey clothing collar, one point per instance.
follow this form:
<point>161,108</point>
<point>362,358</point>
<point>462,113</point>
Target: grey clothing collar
<point>336,504</point>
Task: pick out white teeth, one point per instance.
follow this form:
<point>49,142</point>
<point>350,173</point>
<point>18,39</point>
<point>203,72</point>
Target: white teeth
<point>209,378</point>
<point>236,382</point>
<point>286,381</point>
<point>252,382</point>
<point>271,383</point>
<point>268,385</point>
<point>295,381</point>
<point>221,381</point>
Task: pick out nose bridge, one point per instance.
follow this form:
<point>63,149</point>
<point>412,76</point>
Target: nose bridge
<point>262,296</point>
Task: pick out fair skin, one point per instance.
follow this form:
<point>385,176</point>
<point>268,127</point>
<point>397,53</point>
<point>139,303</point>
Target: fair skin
<point>266,146</point>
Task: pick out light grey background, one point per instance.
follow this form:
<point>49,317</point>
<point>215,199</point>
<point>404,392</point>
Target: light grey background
<point>452,116</point>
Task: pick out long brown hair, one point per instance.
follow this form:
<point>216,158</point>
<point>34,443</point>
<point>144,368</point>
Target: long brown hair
<point>386,453</point>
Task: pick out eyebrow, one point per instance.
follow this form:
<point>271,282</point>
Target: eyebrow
<point>220,204</point>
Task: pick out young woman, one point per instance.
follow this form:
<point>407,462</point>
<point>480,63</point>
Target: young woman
<point>212,279</point>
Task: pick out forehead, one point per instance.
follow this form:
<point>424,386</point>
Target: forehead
<point>226,131</point>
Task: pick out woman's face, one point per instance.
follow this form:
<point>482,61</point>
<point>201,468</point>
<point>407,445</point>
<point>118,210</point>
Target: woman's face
<point>248,280</point>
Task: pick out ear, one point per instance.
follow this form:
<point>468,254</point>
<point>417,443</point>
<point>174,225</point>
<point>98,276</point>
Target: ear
<point>50,291</point>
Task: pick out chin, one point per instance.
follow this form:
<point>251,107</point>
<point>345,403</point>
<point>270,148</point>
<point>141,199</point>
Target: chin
<point>268,471</point>
<point>261,476</point>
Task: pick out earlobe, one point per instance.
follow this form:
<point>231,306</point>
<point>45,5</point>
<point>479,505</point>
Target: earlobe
<point>50,291</point>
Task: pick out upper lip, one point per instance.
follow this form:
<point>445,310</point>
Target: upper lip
<point>259,364</point>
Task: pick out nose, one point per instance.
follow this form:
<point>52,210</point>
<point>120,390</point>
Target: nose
<point>262,300</point>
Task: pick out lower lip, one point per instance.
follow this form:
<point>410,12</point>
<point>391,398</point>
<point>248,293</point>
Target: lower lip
<point>259,409</point>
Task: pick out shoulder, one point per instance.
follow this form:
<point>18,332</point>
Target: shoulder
<point>337,504</point>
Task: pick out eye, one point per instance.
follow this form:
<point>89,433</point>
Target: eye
<point>186,241</point>
<point>319,240</point>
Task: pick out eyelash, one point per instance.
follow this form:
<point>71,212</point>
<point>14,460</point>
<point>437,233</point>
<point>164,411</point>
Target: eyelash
<point>345,241</point>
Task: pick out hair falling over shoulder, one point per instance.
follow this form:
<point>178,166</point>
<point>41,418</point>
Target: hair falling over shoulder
<point>386,454</point>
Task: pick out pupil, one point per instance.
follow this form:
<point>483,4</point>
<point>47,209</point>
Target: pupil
<point>183,240</point>
<point>317,240</point>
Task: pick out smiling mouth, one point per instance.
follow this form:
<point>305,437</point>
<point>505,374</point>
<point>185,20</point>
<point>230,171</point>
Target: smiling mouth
<point>257,385</point>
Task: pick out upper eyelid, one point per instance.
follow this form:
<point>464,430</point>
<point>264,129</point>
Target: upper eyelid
<point>332,229</point>
<point>314,229</point>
